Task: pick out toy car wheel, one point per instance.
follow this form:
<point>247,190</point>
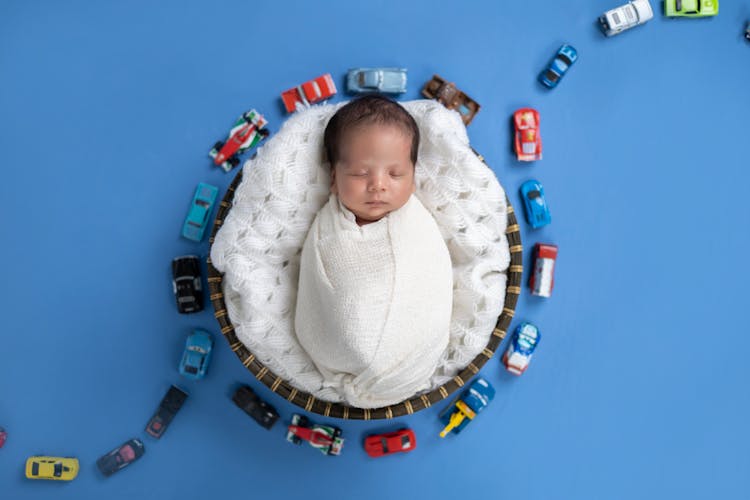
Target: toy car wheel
<point>218,145</point>
<point>336,432</point>
<point>234,161</point>
<point>303,421</point>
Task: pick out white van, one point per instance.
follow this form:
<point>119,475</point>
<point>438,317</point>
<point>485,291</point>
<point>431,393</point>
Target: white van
<point>626,16</point>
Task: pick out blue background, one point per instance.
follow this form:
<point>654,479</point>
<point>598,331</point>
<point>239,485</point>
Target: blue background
<point>639,387</point>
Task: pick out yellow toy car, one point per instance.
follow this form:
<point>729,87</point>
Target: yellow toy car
<point>55,468</point>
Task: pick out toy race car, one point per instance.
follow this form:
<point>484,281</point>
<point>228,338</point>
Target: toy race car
<point>54,468</point>
<point>535,204</point>
<point>186,283</point>
<point>474,400</point>
<point>121,457</point>
<point>619,19</point>
<point>263,413</point>
<point>197,354</point>
<point>3,436</point>
<point>560,64</point>
<point>518,355</point>
<point>449,96</point>
<point>543,277</point>
<point>528,142</point>
<point>379,445</point>
<point>308,93</point>
<point>691,8</point>
<point>325,438</point>
<point>384,80</point>
<point>168,408</point>
<point>246,133</point>
<point>200,209</point>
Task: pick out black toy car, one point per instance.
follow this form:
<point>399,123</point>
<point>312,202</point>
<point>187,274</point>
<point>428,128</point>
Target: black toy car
<point>121,457</point>
<point>262,412</point>
<point>186,283</point>
<point>168,408</point>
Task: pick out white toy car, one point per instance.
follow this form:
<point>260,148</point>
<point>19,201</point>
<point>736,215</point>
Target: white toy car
<point>626,16</point>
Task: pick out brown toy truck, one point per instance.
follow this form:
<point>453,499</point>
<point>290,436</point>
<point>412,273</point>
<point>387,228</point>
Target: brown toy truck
<point>452,98</point>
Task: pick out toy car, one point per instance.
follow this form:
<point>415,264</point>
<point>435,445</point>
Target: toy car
<point>385,80</point>
<point>691,8</point>
<point>379,445</point>
<point>619,19</point>
<point>543,277</point>
<point>528,142</point>
<point>325,438</point>
<point>457,416</point>
<point>518,355</point>
<point>168,408</point>
<point>560,64</point>
<point>3,436</point>
<point>55,468</point>
<point>121,457</point>
<point>186,283</point>
<point>197,354</point>
<point>200,210</point>
<point>263,413</point>
<point>535,204</point>
<point>308,93</point>
<point>447,94</point>
<point>247,132</point>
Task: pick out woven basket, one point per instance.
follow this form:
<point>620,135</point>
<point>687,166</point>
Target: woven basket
<point>337,410</point>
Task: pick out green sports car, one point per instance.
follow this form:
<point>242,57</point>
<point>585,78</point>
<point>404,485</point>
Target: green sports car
<point>691,8</point>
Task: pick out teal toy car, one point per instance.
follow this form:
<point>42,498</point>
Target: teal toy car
<point>459,414</point>
<point>200,209</point>
<point>197,354</point>
<point>691,8</point>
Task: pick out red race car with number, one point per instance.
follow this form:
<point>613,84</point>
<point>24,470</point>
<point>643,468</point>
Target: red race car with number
<point>528,142</point>
<point>543,277</point>
<point>247,131</point>
<point>308,93</point>
<point>380,445</point>
<point>325,438</point>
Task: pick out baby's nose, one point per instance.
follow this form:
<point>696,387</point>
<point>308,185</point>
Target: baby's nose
<point>377,182</point>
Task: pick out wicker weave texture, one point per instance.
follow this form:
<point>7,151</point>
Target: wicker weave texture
<point>337,410</point>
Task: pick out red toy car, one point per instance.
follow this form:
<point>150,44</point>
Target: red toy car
<point>247,131</point>
<point>380,445</point>
<point>528,141</point>
<point>309,93</point>
<point>3,435</point>
<point>543,278</point>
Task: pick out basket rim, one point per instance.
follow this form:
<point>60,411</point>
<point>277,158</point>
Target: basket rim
<point>310,403</point>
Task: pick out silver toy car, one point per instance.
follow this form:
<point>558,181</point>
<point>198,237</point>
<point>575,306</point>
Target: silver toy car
<point>383,80</point>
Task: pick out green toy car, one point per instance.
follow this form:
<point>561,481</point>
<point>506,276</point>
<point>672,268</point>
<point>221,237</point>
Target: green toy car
<point>691,8</point>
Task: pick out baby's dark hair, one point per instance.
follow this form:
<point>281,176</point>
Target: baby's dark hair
<point>368,110</point>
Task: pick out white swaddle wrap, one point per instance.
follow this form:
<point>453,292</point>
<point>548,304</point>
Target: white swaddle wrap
<point>374,302</point>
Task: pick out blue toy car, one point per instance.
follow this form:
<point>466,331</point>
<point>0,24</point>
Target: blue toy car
<point>459,414</point>
<point>537,211</point>
<point>197,354</point>
<point>563,60</point>
<point>384,80</point>
<point>197,218</point>
<point>518,355</point>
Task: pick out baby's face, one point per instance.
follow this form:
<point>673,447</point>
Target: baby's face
<point>374,174</point>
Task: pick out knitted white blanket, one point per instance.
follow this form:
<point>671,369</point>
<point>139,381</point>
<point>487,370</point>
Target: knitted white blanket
<point>259,244</point>
<point>374,302</point>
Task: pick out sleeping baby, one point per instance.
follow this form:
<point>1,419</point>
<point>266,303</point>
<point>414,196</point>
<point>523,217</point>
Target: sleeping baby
<point>375,288</point>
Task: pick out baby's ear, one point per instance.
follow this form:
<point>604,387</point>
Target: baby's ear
<point>333,181</point>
